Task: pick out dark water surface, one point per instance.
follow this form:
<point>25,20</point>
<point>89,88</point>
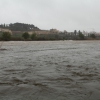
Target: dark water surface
<point>58,70</point>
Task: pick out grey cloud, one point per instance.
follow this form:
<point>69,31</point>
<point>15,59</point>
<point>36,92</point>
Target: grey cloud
<point>61,14</point>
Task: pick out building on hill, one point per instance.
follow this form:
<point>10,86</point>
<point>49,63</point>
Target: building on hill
<point>51,31</point>
<point>5,30</point>
<point>20,28</point>
<point>40,32</point>
<point>54,31</point>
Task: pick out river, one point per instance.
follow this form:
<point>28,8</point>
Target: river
<point>50,70</point>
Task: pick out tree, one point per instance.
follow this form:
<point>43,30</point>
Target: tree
<point>75,32</point>
<point>33,36</point>
<point>4,25</point>
<point>92,35</point>
<point>25,35</point>
<point>6,36</point>
<point>81,36</point>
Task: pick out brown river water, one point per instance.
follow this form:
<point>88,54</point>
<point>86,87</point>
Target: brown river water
<point>50,70</point>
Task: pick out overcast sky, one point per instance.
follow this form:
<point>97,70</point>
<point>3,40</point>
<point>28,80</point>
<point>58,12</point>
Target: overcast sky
<point>46,14</point>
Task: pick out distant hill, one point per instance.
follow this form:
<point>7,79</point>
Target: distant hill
<point>20,27</point>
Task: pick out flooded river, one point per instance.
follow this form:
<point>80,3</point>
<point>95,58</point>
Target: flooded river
<point>50,70</point>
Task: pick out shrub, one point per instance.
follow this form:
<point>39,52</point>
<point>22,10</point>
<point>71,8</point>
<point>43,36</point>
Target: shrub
<point>17,39</point>
<point>25,35</point>
<point>33,36</point>
<point>6,36</point>
<point>92,35</point>
<point>81,36</point>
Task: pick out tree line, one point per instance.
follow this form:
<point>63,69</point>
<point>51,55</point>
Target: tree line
<point>19,27</point>
<point>6,36</point>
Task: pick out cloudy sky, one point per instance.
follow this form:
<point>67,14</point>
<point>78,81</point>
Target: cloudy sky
<point>46,14</point>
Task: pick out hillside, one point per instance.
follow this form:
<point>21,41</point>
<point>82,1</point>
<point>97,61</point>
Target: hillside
<point>19,27</point>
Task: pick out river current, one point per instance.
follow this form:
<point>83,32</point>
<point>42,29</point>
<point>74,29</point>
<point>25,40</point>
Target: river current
<point>50,70</point>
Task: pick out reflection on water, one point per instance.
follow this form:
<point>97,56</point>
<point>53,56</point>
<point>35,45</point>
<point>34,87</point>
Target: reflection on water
<point>50,70</point>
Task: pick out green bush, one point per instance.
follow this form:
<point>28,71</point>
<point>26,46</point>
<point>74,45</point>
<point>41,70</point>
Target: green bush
<point>81,36</point>
<point>92,35</point>
<point>6,36</point>
<point>25,35</point>
<point>33,36</point>
<point>17,38</point>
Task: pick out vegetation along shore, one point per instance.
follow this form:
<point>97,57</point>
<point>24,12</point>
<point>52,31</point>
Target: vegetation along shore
<point>29,32</point>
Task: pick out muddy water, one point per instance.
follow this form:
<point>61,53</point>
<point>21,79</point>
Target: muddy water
<point>58,70</point>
